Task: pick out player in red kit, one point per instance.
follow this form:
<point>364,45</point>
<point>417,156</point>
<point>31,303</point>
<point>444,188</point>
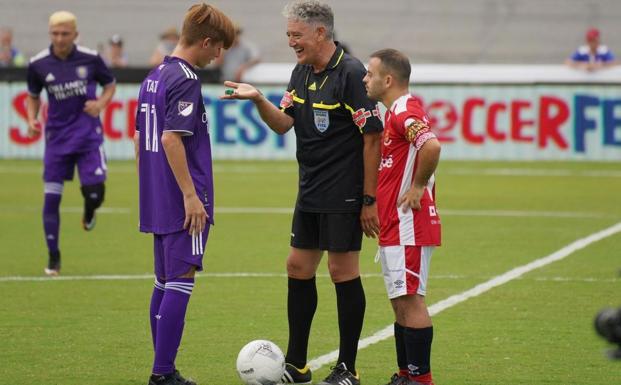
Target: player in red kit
<point>409,221</point>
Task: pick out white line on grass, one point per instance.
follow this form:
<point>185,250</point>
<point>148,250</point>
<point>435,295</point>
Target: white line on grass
<point>289,210</point>
<point>258,169</point>
<point>149,276</point>
<point>120,169</point>
<point>533,172</point>
<point>456,299</point>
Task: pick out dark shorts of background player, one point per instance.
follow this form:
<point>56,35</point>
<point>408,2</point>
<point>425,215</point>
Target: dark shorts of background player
<point>338,232</point>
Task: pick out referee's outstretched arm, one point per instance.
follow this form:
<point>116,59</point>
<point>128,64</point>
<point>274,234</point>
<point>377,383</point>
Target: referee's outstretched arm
<point>277,120</point>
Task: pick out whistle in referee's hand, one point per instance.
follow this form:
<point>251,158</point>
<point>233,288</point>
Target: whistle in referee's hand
<point>230,91</point>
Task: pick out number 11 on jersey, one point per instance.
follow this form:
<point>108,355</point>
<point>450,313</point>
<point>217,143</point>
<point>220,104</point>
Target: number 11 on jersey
<point>150,127</point>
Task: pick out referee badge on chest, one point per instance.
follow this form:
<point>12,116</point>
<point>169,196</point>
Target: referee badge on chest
<point>322,120</point>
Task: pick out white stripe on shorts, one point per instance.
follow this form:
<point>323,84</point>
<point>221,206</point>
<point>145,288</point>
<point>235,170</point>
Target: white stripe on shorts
<point>395,272</point>
<point>102,157</point>
<point>197,244</point>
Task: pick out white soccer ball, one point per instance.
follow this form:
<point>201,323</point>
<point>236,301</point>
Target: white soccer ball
<point>260,362</point>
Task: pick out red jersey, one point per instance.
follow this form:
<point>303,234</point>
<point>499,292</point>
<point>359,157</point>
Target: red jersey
<point>406,129</point>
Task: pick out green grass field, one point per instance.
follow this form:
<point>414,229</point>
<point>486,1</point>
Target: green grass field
<point>536,329</point>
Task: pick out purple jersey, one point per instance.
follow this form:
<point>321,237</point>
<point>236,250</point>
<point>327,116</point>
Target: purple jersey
<point>170,99</point>
<point>69,84</point>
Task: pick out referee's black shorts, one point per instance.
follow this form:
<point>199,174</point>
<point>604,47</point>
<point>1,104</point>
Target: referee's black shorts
<point>338,232</point>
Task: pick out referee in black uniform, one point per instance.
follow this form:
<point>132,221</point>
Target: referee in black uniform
<point>338,133</point>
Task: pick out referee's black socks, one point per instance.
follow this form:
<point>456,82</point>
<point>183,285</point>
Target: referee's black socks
<point>351,303</point>
<point>301,306</point>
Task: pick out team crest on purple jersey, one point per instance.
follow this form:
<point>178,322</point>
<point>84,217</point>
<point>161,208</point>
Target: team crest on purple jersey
<point>81,71</point>
<point>185,108</point>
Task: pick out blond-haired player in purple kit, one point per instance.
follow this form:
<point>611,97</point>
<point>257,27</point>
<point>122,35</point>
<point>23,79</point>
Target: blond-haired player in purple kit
<point>73,134</point>
<point>175,174</point>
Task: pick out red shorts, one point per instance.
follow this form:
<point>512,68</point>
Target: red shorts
<point>405,269</point>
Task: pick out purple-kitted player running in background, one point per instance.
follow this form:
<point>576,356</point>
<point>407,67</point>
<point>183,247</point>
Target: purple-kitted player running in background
<point>73,133</point>
<point>175,174</point>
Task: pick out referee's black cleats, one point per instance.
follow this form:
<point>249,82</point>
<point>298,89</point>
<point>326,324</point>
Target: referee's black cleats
<point>341,376</point>
<point>294,375</point>
<point>169,379</point>
<point>53,264</point>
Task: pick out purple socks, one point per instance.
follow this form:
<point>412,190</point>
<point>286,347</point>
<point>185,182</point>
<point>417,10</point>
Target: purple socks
<point>156,300</point>
<point>168,322</point>
<point>51,219</point>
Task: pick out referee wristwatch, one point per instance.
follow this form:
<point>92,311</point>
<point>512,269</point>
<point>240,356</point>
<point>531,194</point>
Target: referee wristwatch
<point>368,200</point>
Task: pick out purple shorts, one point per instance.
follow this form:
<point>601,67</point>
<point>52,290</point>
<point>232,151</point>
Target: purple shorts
<point>92,167</point>
<point>176,253</point>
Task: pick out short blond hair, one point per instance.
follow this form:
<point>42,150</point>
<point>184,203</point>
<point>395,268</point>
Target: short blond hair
<point>62,17</point>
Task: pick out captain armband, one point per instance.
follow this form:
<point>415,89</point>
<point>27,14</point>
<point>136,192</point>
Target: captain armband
<point>417,132</point>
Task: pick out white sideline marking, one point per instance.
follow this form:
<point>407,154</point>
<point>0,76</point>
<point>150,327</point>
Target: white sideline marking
<point>532,172</point>
<point>149,276</point>
<point>293,169</point>
<point>116,169</point>
<point>479,289</point>
<point>289,210</point>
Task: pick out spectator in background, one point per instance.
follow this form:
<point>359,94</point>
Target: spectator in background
<point>114,56</point>
<point>168,41</point>
<point>9,55</point>
<point>238,59</point>
<point>593,56</point>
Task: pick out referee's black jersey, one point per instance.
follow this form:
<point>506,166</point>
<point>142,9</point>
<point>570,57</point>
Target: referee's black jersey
<point>331,111</point>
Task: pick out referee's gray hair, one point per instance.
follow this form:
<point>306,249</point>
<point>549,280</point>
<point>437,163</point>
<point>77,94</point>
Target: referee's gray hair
<point>311,12</point>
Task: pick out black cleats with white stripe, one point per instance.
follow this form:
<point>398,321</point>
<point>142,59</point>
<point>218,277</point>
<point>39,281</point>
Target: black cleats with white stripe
<point>170,379</point>
<point>294,375</point>
<point>53,264</point>
<point>182,380</point>
<point>341,376</point>
<point>89,224</point>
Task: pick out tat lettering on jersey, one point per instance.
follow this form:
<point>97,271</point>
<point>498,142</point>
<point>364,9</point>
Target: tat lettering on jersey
<point>152,86</point>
